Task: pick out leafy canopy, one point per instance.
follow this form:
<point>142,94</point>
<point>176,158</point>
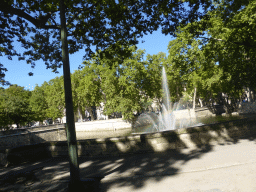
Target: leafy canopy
<point>100,23</point>
<point>14,106</point>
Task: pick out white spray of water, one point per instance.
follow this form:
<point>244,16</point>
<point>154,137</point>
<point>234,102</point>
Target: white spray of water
<point>166,119</point>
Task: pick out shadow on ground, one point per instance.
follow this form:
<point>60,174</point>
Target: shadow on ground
<point>53,174</point>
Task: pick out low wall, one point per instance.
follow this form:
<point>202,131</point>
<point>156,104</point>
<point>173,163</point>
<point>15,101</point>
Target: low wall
<point>196,137</point>
<point>33,137</point>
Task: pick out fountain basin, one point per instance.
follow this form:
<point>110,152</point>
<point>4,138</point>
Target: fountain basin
<point>193,138</point>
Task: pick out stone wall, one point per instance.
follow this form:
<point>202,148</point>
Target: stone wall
<point>196,137</point>
<point>33,137</point>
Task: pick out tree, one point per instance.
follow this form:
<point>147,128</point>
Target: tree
<point>184,59</point>
<point>228,35</point>
<point>86,88</point>
<point>54,96</point>
<point>47,101</point>
<point>125,85</point>
<point>197,69</point>
<point>152,81</point>
<point>38,103</point>
<point>117,82</point>
<point>4,119</point>
<point>15,106</point>
<point>100,23</point>
<point>130,94</point>
<point>239,47</point>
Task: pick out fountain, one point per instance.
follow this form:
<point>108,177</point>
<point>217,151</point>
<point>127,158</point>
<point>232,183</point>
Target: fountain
<point>169,118</point>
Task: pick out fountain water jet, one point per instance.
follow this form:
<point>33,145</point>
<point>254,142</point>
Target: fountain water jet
<point>168,117</point>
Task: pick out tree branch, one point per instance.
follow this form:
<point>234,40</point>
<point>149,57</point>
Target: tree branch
<point>38,22</point>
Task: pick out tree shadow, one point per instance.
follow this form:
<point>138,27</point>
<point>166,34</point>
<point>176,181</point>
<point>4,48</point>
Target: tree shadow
<point>135,170</point>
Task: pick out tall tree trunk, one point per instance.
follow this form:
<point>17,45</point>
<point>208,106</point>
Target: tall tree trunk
<point>177,93</point>
<point>79,112</point>
<point>250,94</point>
<point>201,102</point>
<point>253,95</point>
<point>104,103</point>
<point>194,100</point>
<point>91,113</point>
<point>75,182</point>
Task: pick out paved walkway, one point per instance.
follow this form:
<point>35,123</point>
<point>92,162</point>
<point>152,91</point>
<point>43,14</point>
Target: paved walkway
<point>220,168</point>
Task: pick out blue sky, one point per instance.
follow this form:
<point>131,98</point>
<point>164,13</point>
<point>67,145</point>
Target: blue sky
<point>18,70</point>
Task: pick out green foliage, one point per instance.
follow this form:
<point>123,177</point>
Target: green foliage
<point>14,106</point>
<point>86,87</point>
<point>230,41</point>
<point>152,81</point>
<point>38,103</point>
<point>190,66</point>
<point>223,59</point>
<point>123,85</point>
<point>100,23</point>
<point>4,120</point>
<point>54,96</point>
<point>216,54</point>
<point>120,82</point>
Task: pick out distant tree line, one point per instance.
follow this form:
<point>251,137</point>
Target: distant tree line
<point>127,85</point>
<point>211,60</point>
